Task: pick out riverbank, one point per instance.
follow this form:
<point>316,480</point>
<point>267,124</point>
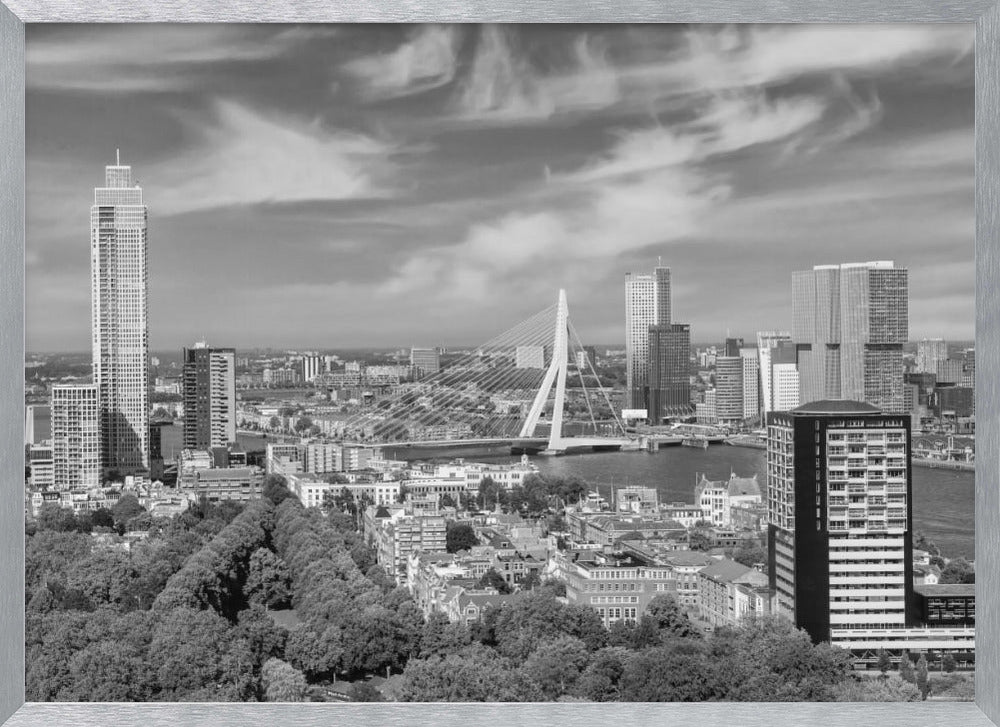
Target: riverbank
<point>945,464</point>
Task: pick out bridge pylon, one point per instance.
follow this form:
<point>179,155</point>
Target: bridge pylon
<point>555,376</point>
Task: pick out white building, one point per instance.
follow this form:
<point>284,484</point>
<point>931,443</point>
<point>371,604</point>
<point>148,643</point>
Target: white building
<point>929,352</point>
<point>751,383</point>
<point>716,499</point>
<point>647,303</point>
<point>529,357</point>
<point>785,387</point>
<point>42,463</point>
<point>118,319</point>
<point>76,442</point>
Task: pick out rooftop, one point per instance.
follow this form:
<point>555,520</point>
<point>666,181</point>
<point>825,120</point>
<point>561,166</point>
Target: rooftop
<point>941,590</point>
<point>836,406</point>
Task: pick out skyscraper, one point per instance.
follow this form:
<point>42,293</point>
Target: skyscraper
<point>929,352</point>
<point>669,371</point>
<point>839,511</point>
<point>647,303</point>
<point>120,348</point>
<point>729,389</point>
<point>850,324</point>
<point>751,384</point>
<point>209,376</point>
<point>767,341</point>
<point>76,444</point>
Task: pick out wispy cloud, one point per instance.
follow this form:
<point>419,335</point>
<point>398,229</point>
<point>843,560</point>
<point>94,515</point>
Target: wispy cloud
<point>503,87</point>
<point>149,58</point>
<point>427,60</point>
<point>244,157</point>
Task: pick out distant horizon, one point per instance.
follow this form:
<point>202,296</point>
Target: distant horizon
<point>440,183</point>
<point>749,343</point>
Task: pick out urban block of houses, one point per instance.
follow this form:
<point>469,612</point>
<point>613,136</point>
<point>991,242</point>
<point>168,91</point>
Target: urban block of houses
<point>729,591</point>
<point>717,499</point>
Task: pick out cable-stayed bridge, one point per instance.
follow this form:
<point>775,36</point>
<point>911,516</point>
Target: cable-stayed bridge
<point>528,386</point>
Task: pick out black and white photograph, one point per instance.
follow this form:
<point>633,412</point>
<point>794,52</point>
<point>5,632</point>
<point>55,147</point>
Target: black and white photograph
<point>499,363</point>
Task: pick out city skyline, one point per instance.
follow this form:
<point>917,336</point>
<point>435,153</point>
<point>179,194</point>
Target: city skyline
<point>424,179</point>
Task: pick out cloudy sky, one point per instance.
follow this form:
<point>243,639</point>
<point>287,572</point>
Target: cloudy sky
<point>349,186</point>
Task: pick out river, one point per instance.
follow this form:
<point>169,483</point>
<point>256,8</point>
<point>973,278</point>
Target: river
<point>943,500</point>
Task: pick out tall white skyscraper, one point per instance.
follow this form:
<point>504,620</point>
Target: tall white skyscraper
<point>647,303</point>
<point>120,339</point>
<point>775,348</point>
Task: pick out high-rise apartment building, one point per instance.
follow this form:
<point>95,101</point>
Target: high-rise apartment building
<point>929,352</point>
<point>647,303</point>
<point>669,372</point>
<point>784,386</point>
<point>120,347</point>
<point>751,383</point>
<point>76,443</point>
<point>850,324</point>
<point>209,396</point>
<point>312,367</point>
<point>729,389</point>
<point>425,361</point>
<point>839,511</point>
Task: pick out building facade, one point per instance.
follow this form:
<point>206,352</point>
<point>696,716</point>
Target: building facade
<point>425,361</point>
<point>209,376</point>
<point>76,441</point>
<point>647,303</point>
<point>929,352</point>
<point>120,339</point>
<point>669,371</point>
<point>850,324</point>
<point>839,512</point>
<point>751,384</point>
<point>729,389</point>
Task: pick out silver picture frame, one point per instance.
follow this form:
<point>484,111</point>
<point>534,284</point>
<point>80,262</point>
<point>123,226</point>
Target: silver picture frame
<point>14,14</point>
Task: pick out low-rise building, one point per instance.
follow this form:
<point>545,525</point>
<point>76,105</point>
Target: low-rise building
<point>215,485</point>
<point>685,565</point>
<point>729,591</point>
<point>617,586</point>
<point>716,499</point>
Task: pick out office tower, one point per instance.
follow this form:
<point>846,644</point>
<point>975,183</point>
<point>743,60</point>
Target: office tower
<point>949,372</point>
<point>969,370</point>
<point>751,383</point>
<point>850,324</point>
<point>784,386</point>
<point>732,346</point>
<point>76,441</point>
<point>29,424</point>
<point>425,361</point>
<point>529,357</point>
<point>669,371</point>
<point>767,342</point>
<point>209,396</point>
<point>839,512</point>
<point>43,467</point>
<point>929,352</point>
<point>647,303</point>
<point>312,366</point>
<point>729,389</point>
<point>118,320</point>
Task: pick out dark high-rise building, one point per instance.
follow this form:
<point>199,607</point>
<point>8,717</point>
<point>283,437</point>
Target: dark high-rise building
<point>669,371</point>
<point>850,324</point>
<point>733,346</point>
<point>839,511</point>
<point>209,376</point>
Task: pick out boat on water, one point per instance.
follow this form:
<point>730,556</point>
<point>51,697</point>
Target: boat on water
<point>700,442</point>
